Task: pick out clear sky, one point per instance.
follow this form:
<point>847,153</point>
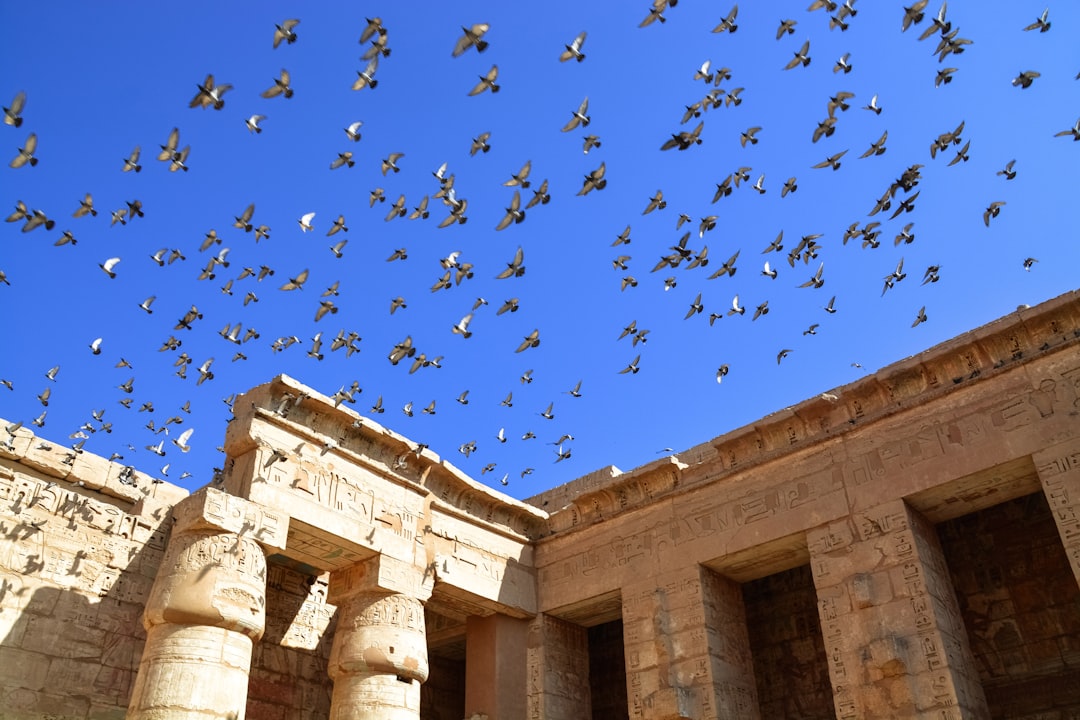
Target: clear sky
<point>100,80</point>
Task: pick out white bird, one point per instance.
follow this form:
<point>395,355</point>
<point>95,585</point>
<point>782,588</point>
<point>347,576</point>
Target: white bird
<point>108,266</point>
<point>305,221</point>
<point>253,123</point>
<point>353,131</point>
<point>182,441</point>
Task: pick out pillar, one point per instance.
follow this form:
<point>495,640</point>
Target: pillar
<point>894,638</point>
<point>558,670</point>
<point>378,659</point>
<point>206,608</point>
<point>495,666</point>
<point>687,648</point>
<point>1059,472</point>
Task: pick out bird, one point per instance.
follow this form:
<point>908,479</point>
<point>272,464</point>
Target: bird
<point>872,106</point>
<point>353,131</point>
<point>913,15</point>
<point>944,76</point>
<point>26,153</point>
<point>695,307</point>
<point>656,202</point>
<point>802,57</point>
<point>632,368</point>
<point>843,63</point>
<point>992,211</point>
<point>1074,131</point>
<point>281,86</point>
<point>252,123</point>
<point>579,116</point>
<point>305,222</point>
<point>1008,171</point>
<point>782,354</point>
<point>595,179</point>
<point>108,266</point>
<point>285,32</point>
<point>747,136</point>
<point>877,147</point>
<point>541,196</point>
<point>514,268</point>
<point>13,114</point>
<point>210,95</point>
<point>342,159</point>
<point>181,441</point>
<point>471,37</point>
<point>573,50</point>
<point>920,317</point>
<point>131,162</point>
<point>530,341</point>
<point>461,327</point>
<point>832,161</point>
<point>519,178</point>
<point>1042,24</point>
<point>787,27</point>
<point>480,143</point>
<point>296,283</point>
<point>728,23</point>
<point>514,213</point>
<point>366,77</point>
<point>1029,263</point>
<point>390,162</point>
<point>1025,79</point>
<point>487,82</point>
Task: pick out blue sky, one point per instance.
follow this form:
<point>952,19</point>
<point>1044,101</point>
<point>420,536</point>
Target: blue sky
<point>100,80</point>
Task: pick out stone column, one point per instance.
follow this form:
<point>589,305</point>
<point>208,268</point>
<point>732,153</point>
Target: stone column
<point>207,606</point>
<point>1059,473</point>
<point>895,641</point>
<point>687,648</point>
<point>379,656</point>
<point>558,670</point>
<point>495,666</point>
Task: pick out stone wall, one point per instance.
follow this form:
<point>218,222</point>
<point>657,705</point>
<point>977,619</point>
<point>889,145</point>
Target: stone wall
<point>80,544</point>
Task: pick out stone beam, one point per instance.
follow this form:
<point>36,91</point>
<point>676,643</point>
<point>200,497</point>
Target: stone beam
<point>353,490</point>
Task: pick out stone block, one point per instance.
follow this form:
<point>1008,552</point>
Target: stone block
<point>23,668</point>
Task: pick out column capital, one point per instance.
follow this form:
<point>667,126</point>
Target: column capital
<point>211,509</point>
<point>381,574</point>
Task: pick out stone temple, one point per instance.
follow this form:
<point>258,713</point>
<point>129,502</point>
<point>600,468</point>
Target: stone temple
<point>905,547</point>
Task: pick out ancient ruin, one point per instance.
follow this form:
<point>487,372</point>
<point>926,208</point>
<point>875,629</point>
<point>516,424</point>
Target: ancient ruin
<point>905,546</point>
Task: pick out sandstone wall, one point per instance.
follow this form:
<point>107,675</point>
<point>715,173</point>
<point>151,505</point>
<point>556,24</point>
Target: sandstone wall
<point>80,544</point>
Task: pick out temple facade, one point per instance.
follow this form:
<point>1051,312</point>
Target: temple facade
<point>905,546</point>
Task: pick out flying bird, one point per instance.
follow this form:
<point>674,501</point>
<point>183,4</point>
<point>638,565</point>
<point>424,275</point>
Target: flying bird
<point>802,57</point>
<point>487,82</point>
<point>285,32</point>
<point>210,95</point>
<point>13,114</point>
<point>573,50</point>
<point>366,77</point>
<point>26,153</point>
<point>472,37</point>
<point>578,117</point>
<point>281,86</point>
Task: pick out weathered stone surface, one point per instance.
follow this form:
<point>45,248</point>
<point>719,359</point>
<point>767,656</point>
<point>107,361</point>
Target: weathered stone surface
<point>335,566</point>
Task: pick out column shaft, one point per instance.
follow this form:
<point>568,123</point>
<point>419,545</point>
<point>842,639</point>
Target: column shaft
<point>206,607</point>
<point>1059,472</point>
<point>558,670</point>
<point>495,666</point>
<point>379,657</point>
<point>894,637</point>
<point>687,648</point>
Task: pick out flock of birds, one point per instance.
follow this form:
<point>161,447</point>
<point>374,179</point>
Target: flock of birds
<point>242,277</point>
